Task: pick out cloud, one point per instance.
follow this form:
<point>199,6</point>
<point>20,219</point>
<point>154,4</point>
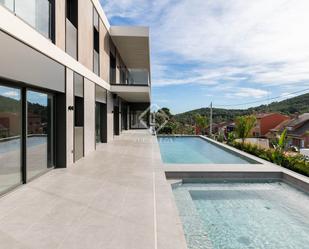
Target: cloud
<point>11,94</point>
<point>251,93</point>
<point>262,43</point>
<point>135,9</point>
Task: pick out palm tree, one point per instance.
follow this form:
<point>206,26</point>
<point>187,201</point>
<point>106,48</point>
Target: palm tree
<point>244,125</point>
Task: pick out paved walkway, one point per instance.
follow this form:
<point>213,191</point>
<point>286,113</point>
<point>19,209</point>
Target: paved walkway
<point>116,198</point>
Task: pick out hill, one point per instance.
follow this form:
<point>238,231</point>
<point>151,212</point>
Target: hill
<point>299,104</point>
<point>9,104</point>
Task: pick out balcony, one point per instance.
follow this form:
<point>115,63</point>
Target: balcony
<point>133,45</point>
<point>133,85</point>
<point>139,93</point>
<point>132,77</point>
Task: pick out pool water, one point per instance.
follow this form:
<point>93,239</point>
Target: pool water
<point>14,144</point>
<point>269,215</point>
<point>196,150</point>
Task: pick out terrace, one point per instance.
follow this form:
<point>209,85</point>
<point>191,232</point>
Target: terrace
<point>117,197</point>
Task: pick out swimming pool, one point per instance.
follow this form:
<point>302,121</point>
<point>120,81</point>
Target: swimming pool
<point>234,215</point>
<point>14,144</point>
<point>196,150</point>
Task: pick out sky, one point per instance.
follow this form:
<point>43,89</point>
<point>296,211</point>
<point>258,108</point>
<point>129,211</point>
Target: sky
<point>229,52</point>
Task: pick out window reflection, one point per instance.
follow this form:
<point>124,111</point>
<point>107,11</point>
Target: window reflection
<point>39,133</point>
<point>38,13</point>
<point>10,137</point>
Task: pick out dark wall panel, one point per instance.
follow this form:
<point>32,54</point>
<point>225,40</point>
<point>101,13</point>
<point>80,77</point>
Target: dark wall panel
<point>60,124</point>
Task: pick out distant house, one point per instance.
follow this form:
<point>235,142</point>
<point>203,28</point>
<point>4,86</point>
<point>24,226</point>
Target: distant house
<point>275,132</point>
<point>298,131</point>
<point>230,127</point>
<point>4,132</point>
<point>266,122</point>
<point>9,124</point>
<point>218,128</point>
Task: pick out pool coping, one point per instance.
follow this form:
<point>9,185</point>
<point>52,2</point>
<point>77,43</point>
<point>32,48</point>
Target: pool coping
<point>263,170</point>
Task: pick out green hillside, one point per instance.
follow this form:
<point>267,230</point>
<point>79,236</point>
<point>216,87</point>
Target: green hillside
<point>299,104</point>
<point>13,105</point>
<point>9,104</point>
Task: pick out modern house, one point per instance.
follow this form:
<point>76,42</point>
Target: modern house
<point>267,121</point>
<point>68,81</point>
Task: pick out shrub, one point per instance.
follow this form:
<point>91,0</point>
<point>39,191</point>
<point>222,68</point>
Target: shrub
<point>295,163</point>
<point>231,137</point>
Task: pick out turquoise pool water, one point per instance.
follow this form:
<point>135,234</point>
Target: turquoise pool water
<point>269,215</point>
<point>195,150</point>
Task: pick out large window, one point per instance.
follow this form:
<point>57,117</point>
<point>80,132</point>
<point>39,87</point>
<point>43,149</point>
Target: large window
<point>139,116</point>
<point>10,137</point>
<point>39,133</point>
<point>26,135</point>
<point>38,13</point>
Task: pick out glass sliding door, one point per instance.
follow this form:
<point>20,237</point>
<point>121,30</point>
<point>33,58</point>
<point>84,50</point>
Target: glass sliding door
<point>39,133</point>
<point>101,114</point>
<point>10,137</point>
<point>139,119</point>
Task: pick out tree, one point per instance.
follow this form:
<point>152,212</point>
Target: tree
<point>244,125</point>
<point>200,124</point>
<point>163,117</point>
<point>166,111</point>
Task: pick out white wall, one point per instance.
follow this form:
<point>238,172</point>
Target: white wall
<point>89,116</point>
<point>110,117</point>
<point>70,116</point>
<point>28,35</point>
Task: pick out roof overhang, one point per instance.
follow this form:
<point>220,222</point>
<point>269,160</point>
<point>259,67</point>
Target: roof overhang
<point>133,94</point>
<point>133,45</point>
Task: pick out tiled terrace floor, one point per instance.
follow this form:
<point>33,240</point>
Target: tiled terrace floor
<point>115,198</point>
